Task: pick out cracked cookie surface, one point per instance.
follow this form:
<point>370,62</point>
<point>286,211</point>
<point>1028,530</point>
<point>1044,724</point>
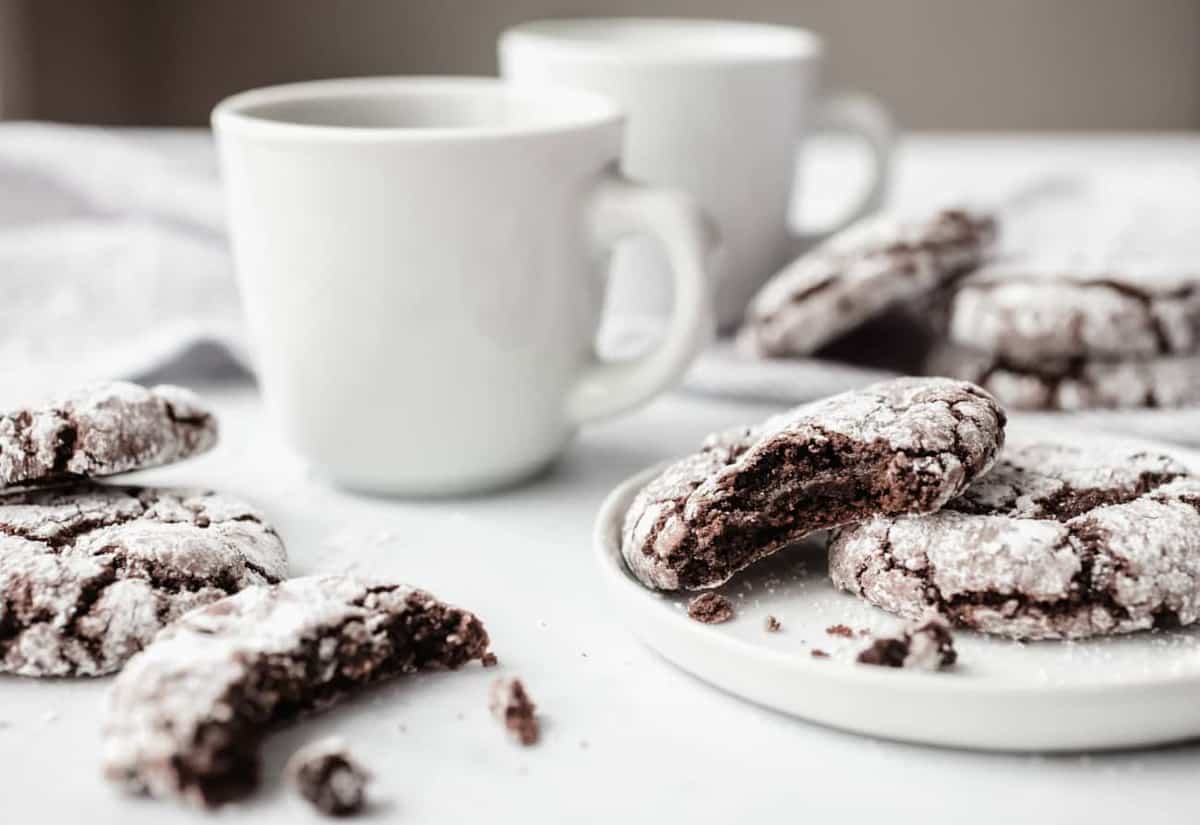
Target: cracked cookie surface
<point>1056,542</point>
<point>90,572</point>
<point>857,274</point>
<point>186,716</point>
<point>907,445</point>
<point>100,431</point>
<point>1076,384</point>
<point>1024,317</point>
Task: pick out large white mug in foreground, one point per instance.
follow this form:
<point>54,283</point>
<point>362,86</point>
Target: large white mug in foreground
<point>718,108</point>
<point>417,258</point>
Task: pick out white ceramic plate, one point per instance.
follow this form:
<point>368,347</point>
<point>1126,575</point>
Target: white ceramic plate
<point>1128,691</point>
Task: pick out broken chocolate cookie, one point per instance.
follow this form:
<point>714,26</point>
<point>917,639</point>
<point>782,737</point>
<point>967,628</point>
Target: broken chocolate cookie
<point>89,573</point>
<point>927,645</point>
<point>512,706</point>
<point>100,431</point>
<point>186,716</point>
<point>1056,542</point>
<point>325,774</point>
<point>710,608</point>
<point>903,446</point>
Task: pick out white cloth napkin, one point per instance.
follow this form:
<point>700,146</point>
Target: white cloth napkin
<point>114,259</point>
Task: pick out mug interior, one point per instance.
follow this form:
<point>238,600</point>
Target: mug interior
<point>671,39</point>
<point>413,105</point>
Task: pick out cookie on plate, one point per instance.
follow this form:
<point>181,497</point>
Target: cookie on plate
<point>907,445</point>
<point>1077,384</point>
<point>1024,317</point>
<point>186,715</point>
<point>1056,542</point>
<point>875,264</point>
<point>89,572</point>
<point>100,431</point>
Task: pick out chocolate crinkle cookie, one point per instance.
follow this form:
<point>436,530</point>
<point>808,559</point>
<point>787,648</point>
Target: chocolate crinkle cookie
<point>878,263</point>
<point>512,706</point>
<point>89,573</point>
<point>903,446</point>
<point>100,431</point>
<point>927,645</point>
<point>185,717</point>
<point>1076,383</point>
<point>325,774</point>
<point>1056,542</point>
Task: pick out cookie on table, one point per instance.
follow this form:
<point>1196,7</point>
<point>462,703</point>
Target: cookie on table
<point>907,445</point>
<point>875,264</point>
<point>185,717</point>
<point>1165,382</point>
<point>1055,542</point>
<point>100,431</point>
<point>89,573</point>
<point>1026,315</point>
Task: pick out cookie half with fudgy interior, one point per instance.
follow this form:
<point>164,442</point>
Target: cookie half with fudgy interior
<point>1075,384</point>
<point>875,264</point>
<point>101,431</point>
<point>89,573</point>
<point>1056,542</point>
<point>186,716</point>
<point>902,446</point>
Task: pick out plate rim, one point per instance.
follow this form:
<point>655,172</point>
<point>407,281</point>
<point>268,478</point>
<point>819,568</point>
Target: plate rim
<point>607,554</point>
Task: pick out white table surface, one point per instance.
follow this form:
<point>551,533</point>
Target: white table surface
<point>627,737</point>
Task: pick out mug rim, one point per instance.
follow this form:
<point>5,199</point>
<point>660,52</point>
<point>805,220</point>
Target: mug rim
<point>580,110</point>
<point>791,43</point>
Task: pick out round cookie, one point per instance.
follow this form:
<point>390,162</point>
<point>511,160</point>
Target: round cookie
<point>186,716</point>
<point>1026,315</point>
<point>1170,381</point>
<point>876,264</point>
<point>1054,543</point>
<point>102,430</point>
<point>907,445</point>
<point>89,573</point>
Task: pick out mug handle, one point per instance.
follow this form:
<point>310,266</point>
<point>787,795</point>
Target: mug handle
<point>619,208</point>
<point>862,115</point>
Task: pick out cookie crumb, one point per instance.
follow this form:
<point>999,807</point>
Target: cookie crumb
<point>489,659</point>
<point>512,706</point>
<point>710,608</point>
<point>864,631</point>
<point>325,774</point>
<point>817,653</point>
<point>927,645</point>
<point>840,630</point>
<point>773,625</point>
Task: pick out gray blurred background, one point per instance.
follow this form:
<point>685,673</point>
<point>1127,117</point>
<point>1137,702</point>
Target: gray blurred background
<point>938,64</point>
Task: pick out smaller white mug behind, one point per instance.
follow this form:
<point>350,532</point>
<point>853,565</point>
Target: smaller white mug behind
<point>718,108</point>
<point>418,262</point>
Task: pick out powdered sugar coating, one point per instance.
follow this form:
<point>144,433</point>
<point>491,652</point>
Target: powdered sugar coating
<point>907,445</point>
<point>103,430</point>
<point>1055,542</point>
<point>185,716</point>
<point>875,264</point>
<point>1162,382</point>
<point>1026,313</point>
<point>89,573</point>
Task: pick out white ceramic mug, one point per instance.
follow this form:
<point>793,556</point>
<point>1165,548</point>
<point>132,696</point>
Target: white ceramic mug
<point>718,108</point>
<point>417,258</point>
